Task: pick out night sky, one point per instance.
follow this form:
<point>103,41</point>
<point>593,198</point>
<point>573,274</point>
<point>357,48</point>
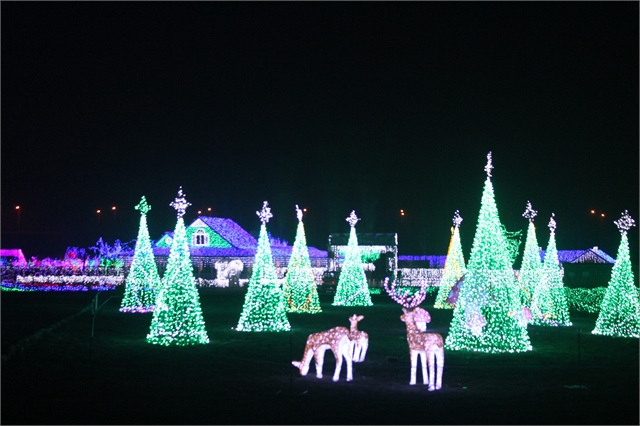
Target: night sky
<point>372,107</point>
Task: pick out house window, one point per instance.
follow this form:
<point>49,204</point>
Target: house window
<point>200,238</point>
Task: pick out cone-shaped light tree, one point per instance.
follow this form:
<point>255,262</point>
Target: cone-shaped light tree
<point>352,288</point>
<point>620,311</point>
<point>454,267</point>
<point>531,268</point>
<point>549,304</point>
<point>177,319</point>
<point>264,306</point>
<point>143,280</point>
<point>300,288</point>
<point>488,316</point>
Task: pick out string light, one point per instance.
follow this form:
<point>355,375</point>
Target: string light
<point>352,288</point>
<point>551,308</point>
<point>143,279</point>
<point>489,291</point>
<point>454,267</point>
<point>300,289</point>
<point>177,317</point>
<point>531,268</point>
<point>620,311</point>
<point>264,306</point>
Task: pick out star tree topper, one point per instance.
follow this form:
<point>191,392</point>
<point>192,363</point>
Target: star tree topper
<point>552,224</point>
<point>457,219</point>
<point>180,203</point>
<point>529,213</point>
<point>298,213</point>
<point>143,207</point>
<point>353,219</point>
<point>625,222</point>
<point>265,214</point>
<point>489,166</point>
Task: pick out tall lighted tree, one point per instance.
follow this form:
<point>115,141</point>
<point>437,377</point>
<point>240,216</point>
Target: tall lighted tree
<point>143,280</point>
<point>264,306</point>
<point>300,288</point>
<point>454,267</point>
<point>488,316</point>
<point>620,311</point>
<point>352,288</point>
<point>549,302</point>
<point>531,268</point>
<point>177,319</point>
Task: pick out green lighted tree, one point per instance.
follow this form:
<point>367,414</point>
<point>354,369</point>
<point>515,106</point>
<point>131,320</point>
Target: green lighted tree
<point>620,310</point>
<point>177,319</point>
<point>352,289</point>
<point>454,267</point>
<point>531,268</point>
<point>264,306</point>
<point>549,303</point>
<point>143,279</point>
<point>488,316</point>
<point>300,288</point>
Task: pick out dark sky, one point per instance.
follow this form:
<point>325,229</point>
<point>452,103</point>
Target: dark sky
<point>333,106</point>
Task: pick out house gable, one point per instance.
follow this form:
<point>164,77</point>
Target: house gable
<point>165,240</point>
<point>199,234</point>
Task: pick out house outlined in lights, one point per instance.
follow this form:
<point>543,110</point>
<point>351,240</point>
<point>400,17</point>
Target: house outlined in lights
<point>216,243</point>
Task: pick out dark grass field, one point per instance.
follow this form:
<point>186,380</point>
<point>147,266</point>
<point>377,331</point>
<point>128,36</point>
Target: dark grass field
<point>65,377</point>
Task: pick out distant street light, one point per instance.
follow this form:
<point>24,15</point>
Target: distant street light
<point>18,210</point>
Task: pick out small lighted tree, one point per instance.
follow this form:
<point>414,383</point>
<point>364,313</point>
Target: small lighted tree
<point>488,316</point>
<point>177,319</point>
<point>454,267</point>
<point>143,279</point>
<point>264,306</point>
<point>549,300</point>
<point>531,268</point>
<point>300,288</point>
<point>352,288</point>
<point>620,310</point>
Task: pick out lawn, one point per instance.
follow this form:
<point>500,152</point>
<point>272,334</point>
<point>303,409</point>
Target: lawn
<point>65,377</point>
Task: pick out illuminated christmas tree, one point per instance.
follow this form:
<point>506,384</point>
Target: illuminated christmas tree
<point>177,319</point>
<point>531,268</point>
<point>488,316</point>
<point>300,288</point>
<point>454,267</point>
<point>143,279</point>
<point>549,304</point>
<point>352,288</point>
<point>620,310</point>
<point>264,306</point>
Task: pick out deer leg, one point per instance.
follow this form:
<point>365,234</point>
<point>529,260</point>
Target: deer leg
<point>440,359</point>
<point>432,362</point>
<point>414,364</point>
<point>336,374</point>
<point>425,379</point>
<point>349,367</point>
<point>319,361</point>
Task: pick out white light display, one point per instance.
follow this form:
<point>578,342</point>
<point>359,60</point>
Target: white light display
<point>489,166</point>
<point>429,347</point>
<point>265,213</point>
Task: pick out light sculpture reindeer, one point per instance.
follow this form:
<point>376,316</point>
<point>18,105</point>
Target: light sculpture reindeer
<point>430,348</point>
<point>359,339</point>
<point>336,339</point>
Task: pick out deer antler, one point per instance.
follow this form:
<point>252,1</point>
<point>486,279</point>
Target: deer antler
<point>405,300</point>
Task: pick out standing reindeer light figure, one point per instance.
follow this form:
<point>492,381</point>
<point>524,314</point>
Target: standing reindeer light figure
<point>429,346</point>
<point>344,343</point>
<point>359,339</point>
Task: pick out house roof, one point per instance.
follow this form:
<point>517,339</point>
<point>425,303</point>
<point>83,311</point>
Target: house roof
<point>230,231</point>
<point>434,261</point>
<point>592,255</point>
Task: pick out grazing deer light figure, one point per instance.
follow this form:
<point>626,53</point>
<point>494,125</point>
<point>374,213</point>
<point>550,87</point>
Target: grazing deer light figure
<point>336,339</point>
<point>430,348</point>
<point>359,339</point>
